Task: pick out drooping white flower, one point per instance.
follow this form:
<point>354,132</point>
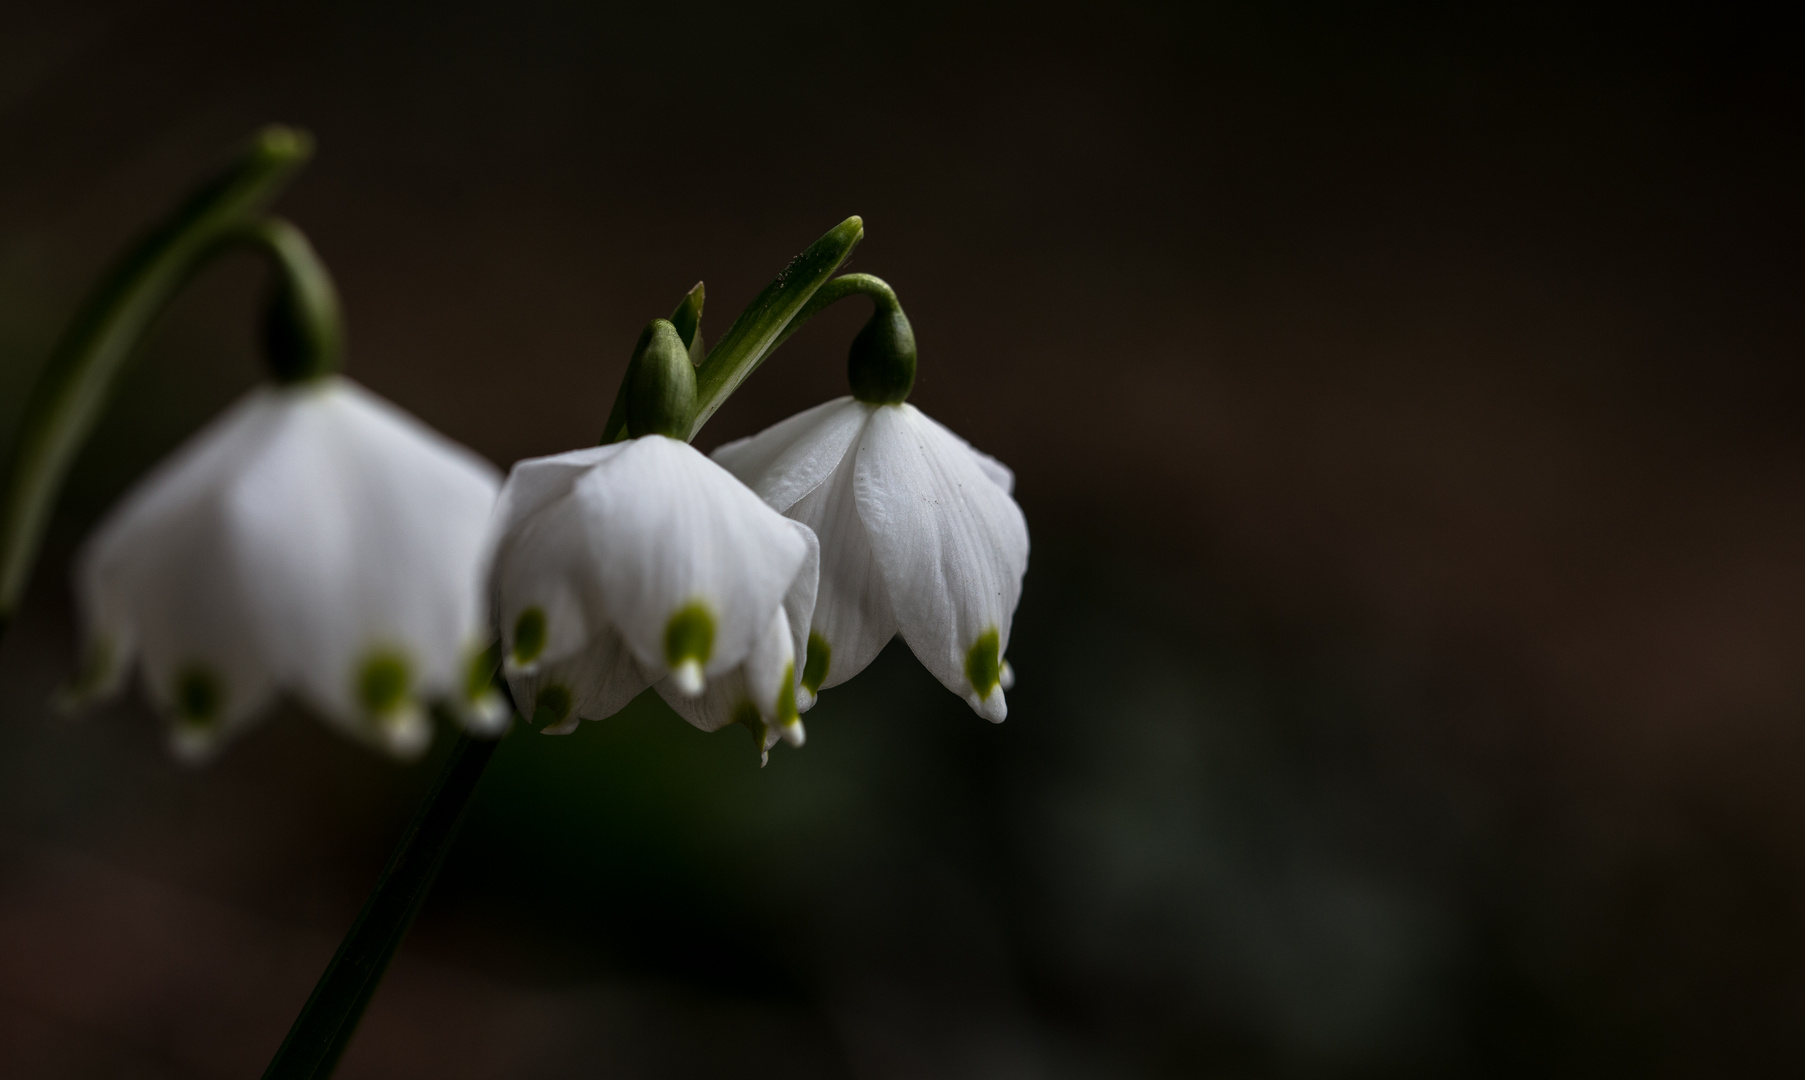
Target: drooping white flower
<point>641,563</point>
<point>313,539</point>
<point>918,531</point>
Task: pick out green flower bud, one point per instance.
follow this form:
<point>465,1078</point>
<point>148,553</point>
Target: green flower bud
<point>881,363</point>
<point>661,384</point>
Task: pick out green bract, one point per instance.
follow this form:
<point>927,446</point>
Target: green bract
<point>661,384</point>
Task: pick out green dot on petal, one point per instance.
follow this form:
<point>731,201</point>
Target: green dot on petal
<point>552,704</point>
<point>200,696</point>
<point>479,674</point>
<point>529,635</point>
<point>786,695</point>
<point>689,635</point>
<point>383,681</point>
<point>983,663</point>
<point>814,668</point>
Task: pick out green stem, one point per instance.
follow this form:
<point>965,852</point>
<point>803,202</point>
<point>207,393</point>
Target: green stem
<point>304,328</point>
<point>329,1019</point>
<point>756,332</point>
<point>74,386</point>
<point>832,293</point>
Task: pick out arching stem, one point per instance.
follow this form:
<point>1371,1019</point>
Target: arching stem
<point>75,386</point>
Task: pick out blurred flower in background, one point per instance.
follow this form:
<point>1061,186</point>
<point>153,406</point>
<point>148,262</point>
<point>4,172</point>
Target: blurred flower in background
<point>314,539</point>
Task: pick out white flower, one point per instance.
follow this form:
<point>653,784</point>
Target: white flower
<point>644,562</point>
<point>918,533</point>
<point>315,539</point>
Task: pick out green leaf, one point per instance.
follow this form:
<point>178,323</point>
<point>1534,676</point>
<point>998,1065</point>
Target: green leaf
<point>758,329</point>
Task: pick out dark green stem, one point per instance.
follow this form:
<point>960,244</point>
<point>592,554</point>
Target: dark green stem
<point>74,387</point>
<point>329,1019</point>
<point>835,291</point>
<point>304,326</point>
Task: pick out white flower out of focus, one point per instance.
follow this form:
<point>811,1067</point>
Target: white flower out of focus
<point>313,539</point>
<point>918,531</point>
<point>644,563</point>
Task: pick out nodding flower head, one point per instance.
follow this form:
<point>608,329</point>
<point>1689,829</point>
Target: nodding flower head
<point>918,532</point>
<point>314,539</point>
<point>641,563</point>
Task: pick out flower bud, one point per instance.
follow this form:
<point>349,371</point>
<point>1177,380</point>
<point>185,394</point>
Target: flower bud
<point>661,384</point>
<point>881,363</point>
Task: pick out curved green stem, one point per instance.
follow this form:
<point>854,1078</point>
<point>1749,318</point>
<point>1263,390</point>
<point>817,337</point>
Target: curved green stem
<point>74,387</point>
<point>758,329</point>
<point>832,293</point>
<point>304,328</point>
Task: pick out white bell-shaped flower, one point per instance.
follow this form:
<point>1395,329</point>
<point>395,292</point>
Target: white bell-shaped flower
<point>918,533</point>
<point>313,539</point>
<point>641,563</point>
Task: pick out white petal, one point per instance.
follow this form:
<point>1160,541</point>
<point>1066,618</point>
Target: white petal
<point>799,601</point>
<point>363,532</point>
<point>1000,474</point>
<point>158,576</point>
<point>724,701</point>
<point>669,529</point>
<point>593,684</point>
<point>768,672</point>
<point>536,482</point>
<point>198,641</point>
<point>771,671</point>
<point>791,458</point>
<point>952,546</point>
<point>543,581</point>
<point>852,609</point>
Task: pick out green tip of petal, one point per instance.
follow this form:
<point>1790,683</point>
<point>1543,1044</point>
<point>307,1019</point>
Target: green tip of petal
<point>552,705</point>
<point>200,697</point>
<point>814,668</point>
<point>479,674</point>
<point>747,715</point>
<point>529,636</point>
<point>785,707</point>
<point>983,663</point>
<point>383,682</point>
<point>689,635</point>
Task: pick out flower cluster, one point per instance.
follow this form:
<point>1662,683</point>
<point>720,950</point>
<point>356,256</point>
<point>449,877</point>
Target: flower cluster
<point>318,541</point>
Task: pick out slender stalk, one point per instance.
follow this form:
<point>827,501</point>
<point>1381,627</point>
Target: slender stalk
<point>832,293</point>
<point>329,1019</point>
<point>74,388</point>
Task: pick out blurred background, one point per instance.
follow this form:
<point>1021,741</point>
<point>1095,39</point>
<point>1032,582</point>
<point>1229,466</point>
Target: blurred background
<point>1406,409</point>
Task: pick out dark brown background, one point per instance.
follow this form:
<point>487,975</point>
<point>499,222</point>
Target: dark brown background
<point>1406,411</point>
